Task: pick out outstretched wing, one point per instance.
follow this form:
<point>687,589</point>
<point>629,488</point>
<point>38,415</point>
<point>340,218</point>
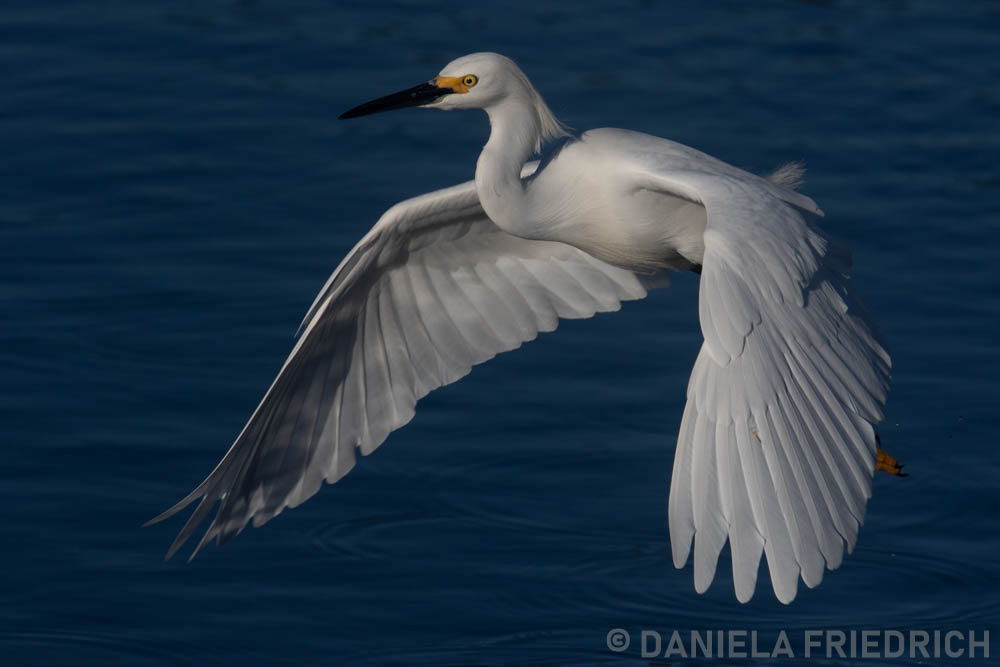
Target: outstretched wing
<point>777,443</point>
<point>432,290</point>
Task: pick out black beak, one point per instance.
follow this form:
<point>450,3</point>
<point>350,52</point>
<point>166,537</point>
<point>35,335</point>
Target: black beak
<point>425,93</point>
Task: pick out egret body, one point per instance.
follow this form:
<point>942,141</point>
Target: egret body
<point>777,444</point>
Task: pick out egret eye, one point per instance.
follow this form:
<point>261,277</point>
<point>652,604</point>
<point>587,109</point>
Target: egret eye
<point>470,80</point>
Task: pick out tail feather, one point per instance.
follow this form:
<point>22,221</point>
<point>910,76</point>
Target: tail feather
<point>791,175</point>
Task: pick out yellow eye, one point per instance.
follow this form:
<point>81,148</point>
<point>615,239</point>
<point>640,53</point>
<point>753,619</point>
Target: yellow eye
<point>470,80</point>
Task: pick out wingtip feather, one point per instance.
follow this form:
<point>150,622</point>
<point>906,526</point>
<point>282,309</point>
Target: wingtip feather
<point>178,506</point>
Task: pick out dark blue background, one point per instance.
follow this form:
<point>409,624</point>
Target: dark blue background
<point>175,187</point>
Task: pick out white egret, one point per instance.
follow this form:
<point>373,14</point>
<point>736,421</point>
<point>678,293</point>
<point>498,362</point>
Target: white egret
<point>777,443</point>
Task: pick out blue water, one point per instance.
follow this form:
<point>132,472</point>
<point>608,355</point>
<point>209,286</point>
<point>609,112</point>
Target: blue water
<point>175,187</point>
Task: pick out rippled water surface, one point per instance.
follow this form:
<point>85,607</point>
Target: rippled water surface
<point>175,187</point>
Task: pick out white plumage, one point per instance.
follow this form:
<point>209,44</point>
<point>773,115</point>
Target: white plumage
<point>777,443</point>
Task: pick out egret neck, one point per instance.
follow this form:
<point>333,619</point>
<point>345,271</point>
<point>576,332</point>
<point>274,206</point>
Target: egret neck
<point>515,133</point>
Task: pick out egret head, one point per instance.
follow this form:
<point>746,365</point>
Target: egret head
<point>475,81</point>
<point>480,80</point>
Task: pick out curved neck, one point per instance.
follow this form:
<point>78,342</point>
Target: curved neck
<point>514,136</point>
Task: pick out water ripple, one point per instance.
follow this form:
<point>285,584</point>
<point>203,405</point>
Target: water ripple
<point>54,646</point>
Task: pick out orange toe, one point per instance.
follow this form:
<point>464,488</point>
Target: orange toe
<point>886,463</point>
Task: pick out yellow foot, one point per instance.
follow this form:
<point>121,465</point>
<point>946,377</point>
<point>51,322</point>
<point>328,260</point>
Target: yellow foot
<point>886,463</point>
